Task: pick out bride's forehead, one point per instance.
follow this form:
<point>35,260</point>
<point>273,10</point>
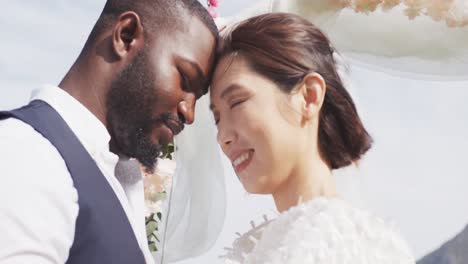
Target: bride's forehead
<point>231,64</point>
<point>224,72</point>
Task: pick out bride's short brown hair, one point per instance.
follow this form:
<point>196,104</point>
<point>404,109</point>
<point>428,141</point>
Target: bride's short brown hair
<point>285,48</point>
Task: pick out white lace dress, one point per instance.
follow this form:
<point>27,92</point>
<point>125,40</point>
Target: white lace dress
<point>322,231</point>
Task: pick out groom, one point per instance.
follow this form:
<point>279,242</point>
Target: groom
<point>132,88</point>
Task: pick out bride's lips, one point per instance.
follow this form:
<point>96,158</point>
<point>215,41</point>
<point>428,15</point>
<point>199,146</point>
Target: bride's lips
<point>241,160</point>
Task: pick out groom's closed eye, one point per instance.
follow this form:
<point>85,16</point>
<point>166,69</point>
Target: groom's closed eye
<point>194,81</point>
<point>188,86</point>
<point>186,83</point>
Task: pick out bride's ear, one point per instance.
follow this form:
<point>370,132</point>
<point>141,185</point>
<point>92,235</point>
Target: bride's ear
<point>312,89</point>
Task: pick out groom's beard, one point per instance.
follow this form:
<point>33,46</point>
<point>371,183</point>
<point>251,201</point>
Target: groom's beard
<point>130,105</point>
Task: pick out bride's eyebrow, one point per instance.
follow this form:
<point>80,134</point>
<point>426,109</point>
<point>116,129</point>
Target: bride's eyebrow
<point>231,89</point>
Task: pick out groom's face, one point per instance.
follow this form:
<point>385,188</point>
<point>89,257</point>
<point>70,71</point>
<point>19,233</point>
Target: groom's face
<point>153,97</point>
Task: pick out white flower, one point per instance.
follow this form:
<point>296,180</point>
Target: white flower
<point>457,15</point>
<point>157,184</point>
<point>153,207</point>
<point>165,170</point>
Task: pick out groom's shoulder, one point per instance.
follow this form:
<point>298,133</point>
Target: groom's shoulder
<point>21,143</point>
<point>15,131</point>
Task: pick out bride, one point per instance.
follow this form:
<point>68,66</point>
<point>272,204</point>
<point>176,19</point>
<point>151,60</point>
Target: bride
<point>374,45</point>
<point>286,121</point>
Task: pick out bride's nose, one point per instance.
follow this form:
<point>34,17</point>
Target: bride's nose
<point>226,135</point>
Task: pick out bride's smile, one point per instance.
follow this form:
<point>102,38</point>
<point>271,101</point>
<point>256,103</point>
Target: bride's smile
<point>241,160</point>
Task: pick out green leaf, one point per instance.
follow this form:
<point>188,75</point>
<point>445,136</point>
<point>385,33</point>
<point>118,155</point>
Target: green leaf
<point>167,150</point>
<point>151,227</point>
<point>149,218</point>
<point>152,247</point>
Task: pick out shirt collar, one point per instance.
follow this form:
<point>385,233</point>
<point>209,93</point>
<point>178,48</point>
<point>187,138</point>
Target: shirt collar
<point>85,125</point>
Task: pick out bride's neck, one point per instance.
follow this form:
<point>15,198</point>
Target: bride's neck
<point>311,179</point>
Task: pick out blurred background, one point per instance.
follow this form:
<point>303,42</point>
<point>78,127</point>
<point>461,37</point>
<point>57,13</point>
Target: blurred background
<point>416,175</point>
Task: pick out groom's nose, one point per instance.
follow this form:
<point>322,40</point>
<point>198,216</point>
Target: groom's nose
<point>186,110</point>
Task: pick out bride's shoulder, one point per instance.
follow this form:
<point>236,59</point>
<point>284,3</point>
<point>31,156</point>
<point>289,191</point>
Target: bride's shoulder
<point>329,231</point>
<point>330,213</point>
<point>332,217</point>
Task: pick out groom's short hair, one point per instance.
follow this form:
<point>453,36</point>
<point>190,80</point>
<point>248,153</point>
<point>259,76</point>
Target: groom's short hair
<point>155,15</point>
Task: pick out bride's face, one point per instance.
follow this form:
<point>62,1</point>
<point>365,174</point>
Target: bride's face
<point>258,127</point>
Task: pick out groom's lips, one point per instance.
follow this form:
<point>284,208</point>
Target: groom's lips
<point>175,126</point>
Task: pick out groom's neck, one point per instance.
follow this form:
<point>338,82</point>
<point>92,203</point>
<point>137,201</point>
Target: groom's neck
<point>88,81</point>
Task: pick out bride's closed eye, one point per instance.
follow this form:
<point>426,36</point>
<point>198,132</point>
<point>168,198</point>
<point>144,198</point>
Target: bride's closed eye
<point>232,105</point>
<point>237,103</point>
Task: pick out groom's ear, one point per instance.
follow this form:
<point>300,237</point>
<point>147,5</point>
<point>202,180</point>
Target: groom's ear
<point>127,36</point>
<point>313,89</point>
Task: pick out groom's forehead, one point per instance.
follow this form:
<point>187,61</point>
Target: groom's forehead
<point>195,43</point>
<point>190,34</point>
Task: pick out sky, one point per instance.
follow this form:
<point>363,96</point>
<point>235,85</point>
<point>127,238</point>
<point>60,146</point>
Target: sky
<point>415,176</point>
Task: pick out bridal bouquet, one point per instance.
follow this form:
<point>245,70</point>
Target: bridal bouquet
<point>156,187</point>
<point>453,12</point>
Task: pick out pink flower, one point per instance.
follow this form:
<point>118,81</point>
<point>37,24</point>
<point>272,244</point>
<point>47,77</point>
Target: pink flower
<point>389,4</point>
<point>450,22</point>
<point>415,4</point>
<point>453,12</point>
<point>412,13</point>
<point>213,12</point>
<point>214,3</point>
<point>366,6</point>
<point>457,15</point>
<point>438,9</point>
<point>340,4</point>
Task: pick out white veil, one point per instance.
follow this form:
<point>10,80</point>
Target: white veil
<point>196,205</point>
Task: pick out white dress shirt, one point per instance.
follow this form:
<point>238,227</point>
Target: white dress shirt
<point>38,202</point>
